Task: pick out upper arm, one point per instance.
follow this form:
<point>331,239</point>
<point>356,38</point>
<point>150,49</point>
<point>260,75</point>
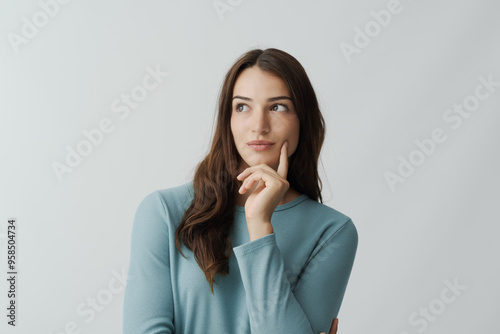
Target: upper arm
<point>148,300</point>
<point>321,286</point>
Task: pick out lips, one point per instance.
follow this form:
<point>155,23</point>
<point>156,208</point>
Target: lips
<point>260,145</point>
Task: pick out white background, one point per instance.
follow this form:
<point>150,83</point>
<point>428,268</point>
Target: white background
<point>440,224</point>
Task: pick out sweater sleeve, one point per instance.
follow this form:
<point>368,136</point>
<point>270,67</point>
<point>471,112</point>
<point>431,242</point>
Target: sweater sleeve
<point>148,302</point>
<point>317,295</point>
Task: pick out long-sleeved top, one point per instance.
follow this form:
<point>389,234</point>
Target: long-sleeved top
<point>290,281</point>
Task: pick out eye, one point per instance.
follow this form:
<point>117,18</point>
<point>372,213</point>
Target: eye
<point>283,106</point>
<point>239,107</point>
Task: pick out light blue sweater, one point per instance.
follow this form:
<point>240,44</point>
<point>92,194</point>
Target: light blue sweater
<point>290,281</point>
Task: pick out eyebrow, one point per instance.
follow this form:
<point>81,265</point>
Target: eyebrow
<point>271,99</point>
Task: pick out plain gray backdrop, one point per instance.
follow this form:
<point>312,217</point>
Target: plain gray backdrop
<point>410,92</point>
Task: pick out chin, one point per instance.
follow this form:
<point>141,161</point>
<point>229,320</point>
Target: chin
<point>263,161</point>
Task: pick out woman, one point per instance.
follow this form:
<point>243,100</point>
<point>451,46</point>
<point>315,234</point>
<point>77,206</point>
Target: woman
<point>245,247</point>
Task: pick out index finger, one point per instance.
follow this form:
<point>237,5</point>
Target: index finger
<point>283,164</point>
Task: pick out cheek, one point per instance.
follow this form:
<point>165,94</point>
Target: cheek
<point>236,131</point>
<point>291,128</point>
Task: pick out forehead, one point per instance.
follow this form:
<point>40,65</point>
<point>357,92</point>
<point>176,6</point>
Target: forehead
<point>255,83</point>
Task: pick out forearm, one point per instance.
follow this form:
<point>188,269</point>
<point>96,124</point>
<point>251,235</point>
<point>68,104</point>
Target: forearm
<point>259,229</point>
<point>272,307</point>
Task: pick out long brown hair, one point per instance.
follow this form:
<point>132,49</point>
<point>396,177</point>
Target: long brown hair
<point>206,225</point>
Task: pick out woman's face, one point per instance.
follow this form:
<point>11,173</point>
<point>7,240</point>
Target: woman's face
<point>262,109</point>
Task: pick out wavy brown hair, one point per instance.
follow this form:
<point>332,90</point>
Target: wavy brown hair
<point>206,225</point>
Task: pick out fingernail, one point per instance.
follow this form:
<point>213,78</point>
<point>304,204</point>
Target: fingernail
<point>286,143</point>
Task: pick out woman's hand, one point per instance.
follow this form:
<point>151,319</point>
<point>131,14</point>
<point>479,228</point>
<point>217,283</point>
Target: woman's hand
<point>333,329</point>
<point>271,187</point>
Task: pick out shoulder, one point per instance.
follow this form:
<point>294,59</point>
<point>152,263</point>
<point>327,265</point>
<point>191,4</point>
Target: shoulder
<point>178,197</point>
<point>331,231</point>
<point>168,202</point>
<point>323,222</point>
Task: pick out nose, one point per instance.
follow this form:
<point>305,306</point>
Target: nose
<point>260,121</point>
